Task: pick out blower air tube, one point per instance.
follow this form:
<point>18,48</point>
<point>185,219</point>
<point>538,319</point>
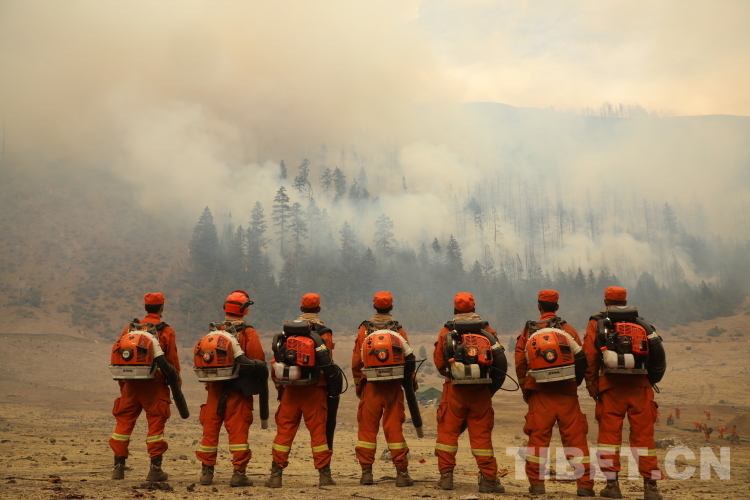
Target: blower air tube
<point>411,397</point>
<point>174,384</point>
<point>499,366</point>
<point>657,357</point>
<point>254,380</point>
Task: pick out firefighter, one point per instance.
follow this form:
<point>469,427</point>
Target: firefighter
<point>227,404</point>
<point>670,419</point>
<point>310,402</point>
<point>380,399</point>
<point>722,430</point>
<point>707,413</point>
<point>658,418</point>
<point>617,395</point>
<point>149,395</point>
<point>706,432</point>
<point>698,426</point>
<point>677,413</point>
<point>553,403</point>
<point>465,406</point>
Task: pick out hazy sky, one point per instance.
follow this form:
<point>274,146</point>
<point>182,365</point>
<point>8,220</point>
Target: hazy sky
<point>202,96</point>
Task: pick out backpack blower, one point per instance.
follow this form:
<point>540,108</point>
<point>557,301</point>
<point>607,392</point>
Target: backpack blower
<point>137,355</point>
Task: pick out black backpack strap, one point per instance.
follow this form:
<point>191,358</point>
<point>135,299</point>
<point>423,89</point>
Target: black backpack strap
<point>450,325</point>
<point>161,326</point>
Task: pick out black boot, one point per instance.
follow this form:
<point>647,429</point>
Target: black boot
<point>119,471</point>
<point>155,474</point>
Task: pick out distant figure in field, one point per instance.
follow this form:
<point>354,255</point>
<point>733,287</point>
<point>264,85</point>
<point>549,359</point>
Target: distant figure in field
<point>707,413</point>
<point>670,419</point>
<point>677,413</point>
<point>722,430</point>
<point>697,426</point>
<point>658,418</point>
<point>733,437</point>
<point>706,431</point>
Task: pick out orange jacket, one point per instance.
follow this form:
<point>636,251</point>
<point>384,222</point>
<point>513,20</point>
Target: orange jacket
<point>564,387</point>
<point>437,356</point>
<point>357,363</point>
<point>596,382</point>
<point>167,341</point>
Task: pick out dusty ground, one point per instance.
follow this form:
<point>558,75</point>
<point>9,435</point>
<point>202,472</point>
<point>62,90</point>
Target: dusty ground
<point>55,421</point>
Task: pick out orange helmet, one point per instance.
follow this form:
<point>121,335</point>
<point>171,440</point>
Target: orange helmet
<point>237,303</point>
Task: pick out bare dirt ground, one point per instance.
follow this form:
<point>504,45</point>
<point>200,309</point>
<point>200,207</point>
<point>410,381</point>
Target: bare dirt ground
<point>55,421</point>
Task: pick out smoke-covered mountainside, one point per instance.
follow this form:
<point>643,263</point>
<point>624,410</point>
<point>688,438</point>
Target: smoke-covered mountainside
<point>486,198</point>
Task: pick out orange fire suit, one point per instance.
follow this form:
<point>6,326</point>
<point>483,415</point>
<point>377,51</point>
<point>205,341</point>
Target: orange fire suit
<point>706,434</point>
<point>379,399</point>
<point>238,412</point>
<point>722,430</point>
<point>618,395</point>
<point>310,401</point>
<point>707,413</point>
<point>677,413</point>
<point>550,403</point>
<point>149,395</point>
<point>470,404</point>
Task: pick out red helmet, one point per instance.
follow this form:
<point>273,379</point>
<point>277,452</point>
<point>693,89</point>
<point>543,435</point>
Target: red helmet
<point>237,303</point>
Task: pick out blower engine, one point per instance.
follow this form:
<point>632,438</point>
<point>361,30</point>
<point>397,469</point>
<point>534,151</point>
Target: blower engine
<point>215,354</point>
<point>134,354</point>
<point>137,355</point>
<point>624,341</point>
<point>296,351</point>
<point>552,354</point>
<point>474,355</point>
<point>384,354</point>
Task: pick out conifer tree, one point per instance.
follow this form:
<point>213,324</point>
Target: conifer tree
<point>384,234</point>
<point>204,247</point>
<point>280,215</point>
<point>282,171</point>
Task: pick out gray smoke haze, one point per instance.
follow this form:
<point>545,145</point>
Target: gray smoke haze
<point>194,104</point>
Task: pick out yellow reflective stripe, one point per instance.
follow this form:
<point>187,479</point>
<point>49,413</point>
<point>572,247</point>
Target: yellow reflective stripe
<point>120,437</point>
<point>589,383</point>
<point>279,447</point>
<point>445,447</point>
<point>357,379</point>
<point>643,452</point>
<point>322,447</point>
<point>367,444</point>
<point>208,449</point>
<point>521,380</point>
<point>608,447</point>
<point>238,447</point>
<point>536,460</point>
<point>483,453</point>
<point>153,439</point>
<point>579,460</point>
<point>396,446</point>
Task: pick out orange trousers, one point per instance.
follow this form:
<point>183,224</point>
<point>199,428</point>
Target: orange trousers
<point>136,396</point>
<point>471,404</point>
<point>298,401</point>
<point>639,406</point>
<point>546,409</point>
<point>237,417</point>
<point>386,400</point>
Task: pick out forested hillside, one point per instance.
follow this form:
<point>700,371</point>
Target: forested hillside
<point>534,199</point>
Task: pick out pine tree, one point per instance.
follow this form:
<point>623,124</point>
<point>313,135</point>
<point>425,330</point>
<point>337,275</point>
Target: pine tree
<point>288,287</point>
<point>339,183</point>
<point>298,227</point>
<point>437,251</point>
<point>301,182</point>
<point>326,180</point>
<point>204,248</point>
<point>348,245</point>
<point>453,257</point>
<point>280,215</point>
<point>282,170</point>
<point>384,234</point>
<point>257,226</point>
